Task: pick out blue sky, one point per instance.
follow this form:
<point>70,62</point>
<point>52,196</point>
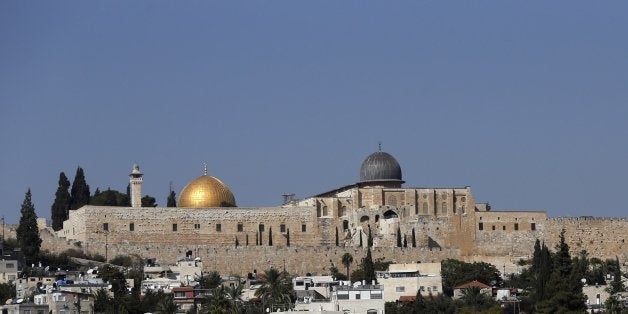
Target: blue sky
<point>526,102</point>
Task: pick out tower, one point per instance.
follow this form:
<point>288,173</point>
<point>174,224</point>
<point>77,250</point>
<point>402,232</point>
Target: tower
<point>135,181</point>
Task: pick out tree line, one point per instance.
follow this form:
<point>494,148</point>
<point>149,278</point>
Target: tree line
<point>71,197</point>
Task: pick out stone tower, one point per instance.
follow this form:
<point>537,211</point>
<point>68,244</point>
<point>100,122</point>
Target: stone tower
<point>135,181</point>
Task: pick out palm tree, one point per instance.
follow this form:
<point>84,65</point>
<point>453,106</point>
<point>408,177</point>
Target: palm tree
<point>216,302</point>
<point>347,259</point>
<point>276,289</point>
<point>234,295</point>
<point>166,305</point>
<point>475,298</point>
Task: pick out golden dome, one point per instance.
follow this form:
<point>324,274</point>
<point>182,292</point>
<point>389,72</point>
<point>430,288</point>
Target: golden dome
<point>206,192</point>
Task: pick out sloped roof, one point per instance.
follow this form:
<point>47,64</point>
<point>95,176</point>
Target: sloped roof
<point>474,283</point>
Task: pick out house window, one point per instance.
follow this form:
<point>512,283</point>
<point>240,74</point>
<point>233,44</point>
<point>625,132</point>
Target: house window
<point>105,226</point>
<point>345,225</point>
<point>357,296</point>
<point>435,288</point>
<point>481,226</point>
<point>400,289</point>
<point>197,226</point>
<point>533,226</point>
<point>516,226</point>
<point>218,227</point>
<point>261,227</point>
<point>503,227</point>
<point>10,265</point>
<point>493,227</point>
<point>174,227</point>
<point>179,294</point>
<point>282,228</point>
<point>303,228</point>
<point>240,227</point>
<point>131,227</point>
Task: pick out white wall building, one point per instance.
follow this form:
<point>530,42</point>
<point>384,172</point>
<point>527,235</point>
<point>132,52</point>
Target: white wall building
<point>407,279</point>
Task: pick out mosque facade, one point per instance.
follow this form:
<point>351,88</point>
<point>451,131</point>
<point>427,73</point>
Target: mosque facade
<point>406,224</point>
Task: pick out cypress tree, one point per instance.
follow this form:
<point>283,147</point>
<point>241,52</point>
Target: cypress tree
<point>360,238</point>
<point>405,241</point>
<point>398,237</point>
<point>27,232</point>
<point>247,239</point>
<point>172,199</point>
<point>270,236</point>
<point>369,240</point>
<point>369,267</point>
<point>413,238</point>
<point>80,190</point>
<point>563,290</point>
<point>61,205</point>
<point>288,238</point>
<point>337,240</point>
<point>237,243</point>
<point>617,285</point>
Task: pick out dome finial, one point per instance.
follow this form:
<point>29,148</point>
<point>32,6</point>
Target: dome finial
<point>204,168</point>
<point>379,144</point>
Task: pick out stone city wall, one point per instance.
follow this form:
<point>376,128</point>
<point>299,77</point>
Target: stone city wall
<point>600,237</point>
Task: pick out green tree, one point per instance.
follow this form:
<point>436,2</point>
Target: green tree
<point>276,291</point>
<point>399,237</point>
<point>172,199</point>
<point>210,281</point>
<point>216,302</point>
<point>337,239</point>
<point>369,267</point>
<point>270,236</point>
<point>109,198</point>
<point>347,259</point>
<point>617,284</point>
<point>79,194</point>
<point>27,231</point>
<point>148,201</point>
<point>102,301</point>
<point>563,290</point>
<point>413,238</point>
<point>475,299</point>
<point>116,279</point>
<point>7,291</point>
<point>166,305</point>
<point>61,205</point>
<point>455,272</point>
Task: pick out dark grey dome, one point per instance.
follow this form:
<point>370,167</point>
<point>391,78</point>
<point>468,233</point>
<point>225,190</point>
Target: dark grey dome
<point>380,166</point>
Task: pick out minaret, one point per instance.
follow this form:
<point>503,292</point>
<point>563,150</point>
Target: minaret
<point>135,181</point>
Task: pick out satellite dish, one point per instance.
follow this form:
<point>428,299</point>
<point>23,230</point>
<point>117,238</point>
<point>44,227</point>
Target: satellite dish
<point>18,301</point>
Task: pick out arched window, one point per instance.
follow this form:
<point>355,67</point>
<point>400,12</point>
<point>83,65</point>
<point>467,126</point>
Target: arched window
<point>342,211</point>
<point>364,218</point>
<point>390,214</point>
<point>325,213</point>
<point>318,211</point>
<point>376,218</point>
<point>345,225</point>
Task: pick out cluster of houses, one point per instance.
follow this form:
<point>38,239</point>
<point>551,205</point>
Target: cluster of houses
<point>74,292</point>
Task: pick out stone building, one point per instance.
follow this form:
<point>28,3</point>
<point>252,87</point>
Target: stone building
<point>311,234</point>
